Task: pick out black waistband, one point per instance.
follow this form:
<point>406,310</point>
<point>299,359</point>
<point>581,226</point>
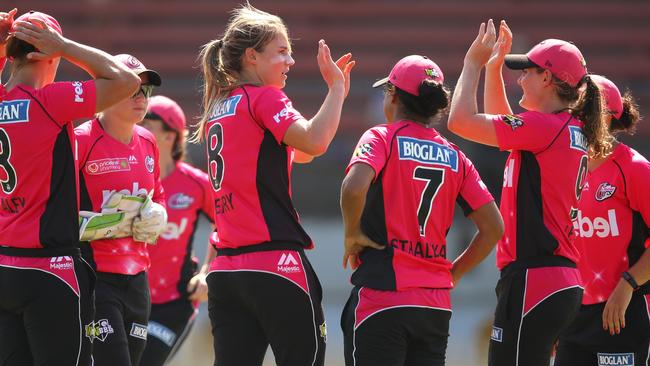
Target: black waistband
<point>262,247</point>
<point>119,278</point>
<point>40,252</point>
<point>536,262</point>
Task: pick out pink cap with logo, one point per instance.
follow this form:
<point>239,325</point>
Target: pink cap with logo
<point>611,94</point>
<point>137,66</point>
<point>409,73</point>
<point>169,112</point>
<point>563,59</point>
<point>35,15</point>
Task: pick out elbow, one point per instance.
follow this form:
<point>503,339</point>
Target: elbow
<point>317,148</point>
<point>128,81</point>
<point>453,123</point>
<point>496,230</point>
<point>351,190</point>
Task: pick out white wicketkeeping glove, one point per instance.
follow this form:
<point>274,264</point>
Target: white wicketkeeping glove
<point>151,222</point>
<point>114,221</point>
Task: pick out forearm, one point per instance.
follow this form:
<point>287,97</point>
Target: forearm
<point>210,254</point>
<point>352,204</point>
<point>479,248</point>
<point>97,63</point>
<point>495,100</point>
<point>322,127</point>
<point>463,103</point>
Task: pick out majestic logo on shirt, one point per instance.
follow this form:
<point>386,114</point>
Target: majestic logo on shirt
<point>578,139</point>
<point>138,331</point>
<point>615,359</point>
<point>173,230</point>
<point>14,111</point>
<point>513,121</point>
<point>427,152</point>
<point>164,334</point>
<point>288,264</point>
<point>226,108</point>
<point>497,334</point>
<point>64,262</point>
<point>99,330</point>
<point>179,201</point>
<point>109,165</point>
<point>149,163</point>
<point>363,149</point>
<point>78,92</point>
<point>602,227</point>
<point>604,191</point>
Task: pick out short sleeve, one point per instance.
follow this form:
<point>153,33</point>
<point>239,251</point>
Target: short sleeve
<point>68,101</point>
<point>158,192</point>
<point>274,111</point>
<point>638,176</point>
<point>371,149</point>
<point>207,206</point>
<point>528,131</point>
<point>473,192</point>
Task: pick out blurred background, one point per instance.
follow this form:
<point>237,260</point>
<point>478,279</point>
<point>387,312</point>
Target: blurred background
<point>166,35</point>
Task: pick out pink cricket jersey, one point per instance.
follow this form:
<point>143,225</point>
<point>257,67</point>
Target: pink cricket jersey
<point>543,177</point>
<point>108,165</point>
<point>613,222</point>
<point>189,193</point>
<point>250,169</point>
<point>419,177</point>
<point>38,164</point>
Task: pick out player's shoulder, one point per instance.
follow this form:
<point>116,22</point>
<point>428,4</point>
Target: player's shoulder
<point>631,161</point>
<point>191,172</point>
<point>88,130</point>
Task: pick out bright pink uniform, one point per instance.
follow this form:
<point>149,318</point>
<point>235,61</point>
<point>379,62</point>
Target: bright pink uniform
<point>613,222</point>
<point>542,181</point>
<point>37,159</point>
<point>252,185</point>
<point>189,193</point>
<point>419,177</point>
<point>108,165</point>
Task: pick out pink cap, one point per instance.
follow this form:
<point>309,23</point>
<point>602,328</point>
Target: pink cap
<point>169,112</point>
<point>563,59</point>
<point>47,19</point>
<point>611,93</point>
<point>409,73</point>
<point>137,66</point>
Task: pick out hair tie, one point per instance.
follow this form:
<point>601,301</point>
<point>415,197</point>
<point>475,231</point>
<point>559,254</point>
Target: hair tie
<point>219,43</point>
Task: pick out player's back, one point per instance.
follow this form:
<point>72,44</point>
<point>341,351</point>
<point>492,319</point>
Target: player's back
<point>420,177</point>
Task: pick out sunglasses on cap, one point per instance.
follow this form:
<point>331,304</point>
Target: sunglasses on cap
<point>145,89</point>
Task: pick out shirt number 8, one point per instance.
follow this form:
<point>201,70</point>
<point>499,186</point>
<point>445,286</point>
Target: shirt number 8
<point>8,184</point>
<point>215,160</point>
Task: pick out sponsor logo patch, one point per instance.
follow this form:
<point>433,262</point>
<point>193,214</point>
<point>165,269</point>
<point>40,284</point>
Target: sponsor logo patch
<point>138,331</point>
<point>149,163</point>
<point>64,262</point>
<point>99,330</point>
<point>284,112</point>
<point>497,334</point>
<point>226,108</point>
<point>513,121</point>
<point>323,331</point>
<point>288,264</point>
<point>14,111</point>
<point>109,165</point>
<point>78,92</point>
<point>164,334</point>
<point>604,191</point>
<point>179,201</point>
<point>427,152</point>
<point>615,359</point>
<point>362,149</point>
<point>578,139</point>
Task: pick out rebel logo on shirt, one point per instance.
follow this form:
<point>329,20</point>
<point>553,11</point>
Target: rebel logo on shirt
<point>512,121</point>
<point>602,227</point>
<point>135,191</point>
<point>149,163</point>
<point>604,191</point>
<point>225,108</point>
<point>179,201</point>
<point>109,165</point>
<point>78,92</point>
<point>427,152</point>
<point>363,149</point>
<point>14,111</point>
<point>578,139</point>
<point>615,359</point>
<point>284,112</point>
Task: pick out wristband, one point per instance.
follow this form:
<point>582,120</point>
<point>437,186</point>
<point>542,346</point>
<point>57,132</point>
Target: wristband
<point>628,277</point>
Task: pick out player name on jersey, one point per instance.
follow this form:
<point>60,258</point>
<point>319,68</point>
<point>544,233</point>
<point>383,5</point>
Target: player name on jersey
<point>427,152</point>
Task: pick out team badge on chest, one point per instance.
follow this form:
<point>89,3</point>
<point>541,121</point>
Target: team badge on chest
<point>604,191</point>
<point>148,163</point>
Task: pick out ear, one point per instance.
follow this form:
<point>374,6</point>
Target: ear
<point>548,78</point>
<point>250,56</point>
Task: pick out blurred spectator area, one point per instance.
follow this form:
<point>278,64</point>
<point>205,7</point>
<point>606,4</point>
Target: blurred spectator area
<point>166,35</point>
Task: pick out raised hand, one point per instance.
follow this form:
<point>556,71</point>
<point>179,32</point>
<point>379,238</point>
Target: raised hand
<point>48,42</point>
<point>479,52</point>
<point>6,20</point>
<point>334,72</point>
<point>502,46</point>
